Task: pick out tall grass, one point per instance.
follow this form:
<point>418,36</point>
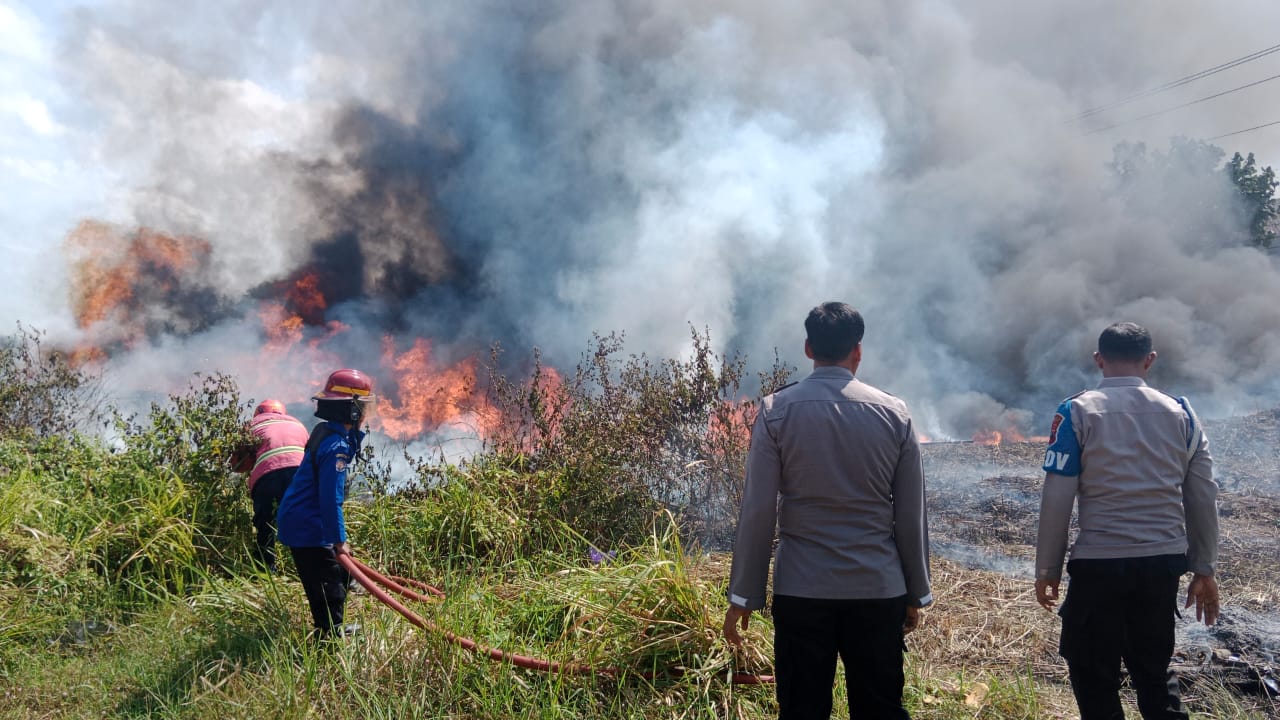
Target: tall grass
<point>127,587</point>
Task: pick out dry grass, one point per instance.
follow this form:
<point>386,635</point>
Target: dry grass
<point>984,624</point>
<point>984,503</point>
<point>983,620</point>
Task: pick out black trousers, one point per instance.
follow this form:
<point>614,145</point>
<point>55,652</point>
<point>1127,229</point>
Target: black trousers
<point>325,583</point>
<point>1117,610</point>
<point>267,494</point>
<point>808,635</point>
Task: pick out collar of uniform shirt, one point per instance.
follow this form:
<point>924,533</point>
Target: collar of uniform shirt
<point>1127,381</point>
<point>831,371</point>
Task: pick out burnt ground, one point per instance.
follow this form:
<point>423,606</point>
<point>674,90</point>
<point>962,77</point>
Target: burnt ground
<point>984,503</point>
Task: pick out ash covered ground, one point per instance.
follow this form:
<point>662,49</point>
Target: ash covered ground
<point>984,505</point>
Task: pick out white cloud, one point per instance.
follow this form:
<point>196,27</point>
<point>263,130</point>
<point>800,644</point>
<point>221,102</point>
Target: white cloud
<point>33,112</point>
<point>41,171</point>
<point>20,34</point>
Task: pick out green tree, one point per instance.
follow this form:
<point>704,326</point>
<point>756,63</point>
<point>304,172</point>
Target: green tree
<point>1257,193</point>
<point>1212,197</point>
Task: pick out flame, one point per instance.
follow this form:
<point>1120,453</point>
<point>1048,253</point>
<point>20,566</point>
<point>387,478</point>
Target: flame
<point>284,352</point>
<point>1008,435</point>
<point>283,329</point>
<point>532,412</point>
<point>306,300</point>
<point>730,425</point>
<point>118,277</point>
<point>988,437</point>
<point>424,396</point>
<point>108,265</point>
<point>127,283</point>
<point>547,387</point>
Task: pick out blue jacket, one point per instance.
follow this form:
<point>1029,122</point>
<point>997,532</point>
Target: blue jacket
<point>310,513</point>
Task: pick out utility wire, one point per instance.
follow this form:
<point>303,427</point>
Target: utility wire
<point>1238,132</point>
<point>1185,104</point>
<point>1179,82</point>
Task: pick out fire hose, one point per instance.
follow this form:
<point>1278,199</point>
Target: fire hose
<point>367,577</point>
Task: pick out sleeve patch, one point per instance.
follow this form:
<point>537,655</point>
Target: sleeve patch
<point>340,465</point>
<point>1053,429</point>
<point>1063,455</point>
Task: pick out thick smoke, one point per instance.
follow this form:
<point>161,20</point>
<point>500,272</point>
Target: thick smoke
<point>531,173</point>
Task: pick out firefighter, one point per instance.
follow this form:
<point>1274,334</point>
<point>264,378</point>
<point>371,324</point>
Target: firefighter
<point>271,464</point>
<point>310,516</point>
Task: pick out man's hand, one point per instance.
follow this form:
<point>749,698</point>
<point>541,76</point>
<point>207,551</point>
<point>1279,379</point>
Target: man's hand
<point>732,617</point>
<point>342,548</point>
<point>1203,591</point>
<point>913,620</point>
<point>1047,593</point>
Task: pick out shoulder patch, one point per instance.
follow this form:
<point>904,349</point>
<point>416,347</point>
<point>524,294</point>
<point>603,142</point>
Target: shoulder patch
<point>340,464</point>
<point>1053,429</point>
<point>1193,428</point>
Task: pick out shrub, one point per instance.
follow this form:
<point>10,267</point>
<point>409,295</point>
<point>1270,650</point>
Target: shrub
<point>180,496</point>
<point>41,392</point>
<point>623,436</point>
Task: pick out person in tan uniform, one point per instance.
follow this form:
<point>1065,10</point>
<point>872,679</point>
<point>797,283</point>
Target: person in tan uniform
<point>834,466</point>
<point>1137,462</point>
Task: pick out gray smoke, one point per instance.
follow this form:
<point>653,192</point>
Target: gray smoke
<point>533,172</point>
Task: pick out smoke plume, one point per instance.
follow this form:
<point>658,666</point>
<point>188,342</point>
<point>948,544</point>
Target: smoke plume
<point>532,172</point>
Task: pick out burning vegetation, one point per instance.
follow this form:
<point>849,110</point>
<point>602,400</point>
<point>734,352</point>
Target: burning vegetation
<point>132,286</point>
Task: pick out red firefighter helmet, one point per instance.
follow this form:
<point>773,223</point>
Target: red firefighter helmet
<point>346,384</point>
<point>269,406</point>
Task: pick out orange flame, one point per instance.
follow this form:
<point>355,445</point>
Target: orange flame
<point>534,416</point>
<point>427,397</point>
<point>117,273</point>
<point>1008,435</point>
<point>108,264</point>
<point>285,352</point>
<point>283,330</point>
<point>306,300</point>
<point>730,425</point>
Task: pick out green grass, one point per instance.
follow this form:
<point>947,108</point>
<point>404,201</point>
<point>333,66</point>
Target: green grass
<point>127,590</point>
<point>236,647</point>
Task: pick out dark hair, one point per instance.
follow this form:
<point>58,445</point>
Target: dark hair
<point>834,329</point>
<point>1124,342</point>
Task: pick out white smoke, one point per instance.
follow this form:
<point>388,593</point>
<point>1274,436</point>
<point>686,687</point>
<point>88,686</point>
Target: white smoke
<point>534,173</point>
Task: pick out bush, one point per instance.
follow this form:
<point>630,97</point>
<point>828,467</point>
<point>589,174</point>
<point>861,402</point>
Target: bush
<point>41,392</point>
<point>146,518</point>
<point>479,513</point>
<point>623,437</point>
<point>183,503</point>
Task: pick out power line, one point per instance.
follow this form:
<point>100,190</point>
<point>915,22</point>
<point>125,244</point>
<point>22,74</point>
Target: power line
<point>1238,132</point>
<point>1185,104</point>
<point>1179,82</point>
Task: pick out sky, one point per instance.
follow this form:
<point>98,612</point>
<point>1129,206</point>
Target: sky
<point>47,184</point>
<point>530,174</point>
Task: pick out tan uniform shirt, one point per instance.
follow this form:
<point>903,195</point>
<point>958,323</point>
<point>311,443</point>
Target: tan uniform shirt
<point>1138,462</point>
<point>835,466</point>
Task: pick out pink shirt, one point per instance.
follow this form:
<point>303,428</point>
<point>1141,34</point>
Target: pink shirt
<point>282,439</point>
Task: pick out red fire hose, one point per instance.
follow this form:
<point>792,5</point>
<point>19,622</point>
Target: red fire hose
<point>367,576</point>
